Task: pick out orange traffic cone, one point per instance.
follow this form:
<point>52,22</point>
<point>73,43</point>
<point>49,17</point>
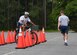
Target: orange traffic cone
<point>30,38</point>
<point>39,37</point>
<point>14,33</point>
<point>43,35</point>
<point>12,37</point>
<point>2,37</point>
<point>27,39</point>
<point>21,40</point>
<point>0,40</point>
<point>8,39</point>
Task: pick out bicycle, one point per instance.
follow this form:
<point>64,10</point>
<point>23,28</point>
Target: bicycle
<point>34,36</point>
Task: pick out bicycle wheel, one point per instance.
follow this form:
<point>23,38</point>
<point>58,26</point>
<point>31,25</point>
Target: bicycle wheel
<point>34,38</point>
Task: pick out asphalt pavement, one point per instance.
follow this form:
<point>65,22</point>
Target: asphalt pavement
<point>53,46</point>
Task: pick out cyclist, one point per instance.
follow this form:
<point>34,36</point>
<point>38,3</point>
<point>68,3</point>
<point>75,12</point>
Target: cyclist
<point>23,20</point>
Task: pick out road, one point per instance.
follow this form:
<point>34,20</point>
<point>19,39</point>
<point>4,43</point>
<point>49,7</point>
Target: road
<point>53,46</point>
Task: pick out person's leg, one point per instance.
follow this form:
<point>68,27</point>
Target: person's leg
<point>64,32</point>
<point>63,36</point>
<point>18,27</point>
<point>66,37</point>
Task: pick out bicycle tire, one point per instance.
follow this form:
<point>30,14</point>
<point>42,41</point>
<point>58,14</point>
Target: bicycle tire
<point>34,38</point>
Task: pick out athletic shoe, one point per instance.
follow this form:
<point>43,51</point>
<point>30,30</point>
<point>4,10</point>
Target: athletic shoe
<point>65,44</point>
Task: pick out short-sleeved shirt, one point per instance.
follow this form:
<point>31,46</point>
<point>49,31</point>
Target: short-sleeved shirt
<point>25,20</point>
<point>64,20</point>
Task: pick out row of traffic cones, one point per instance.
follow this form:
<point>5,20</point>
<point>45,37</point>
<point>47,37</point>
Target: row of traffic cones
<point>9,39</point>
<point>24,42</point>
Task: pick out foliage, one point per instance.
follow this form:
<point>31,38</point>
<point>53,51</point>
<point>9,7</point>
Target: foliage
<point>8,14</point>
<point>71,10</point>
<point>11,10</point>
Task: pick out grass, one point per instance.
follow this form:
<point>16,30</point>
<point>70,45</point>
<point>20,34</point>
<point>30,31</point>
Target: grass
<point>50,30</point>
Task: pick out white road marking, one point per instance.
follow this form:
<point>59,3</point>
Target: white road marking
<point>9,53</point>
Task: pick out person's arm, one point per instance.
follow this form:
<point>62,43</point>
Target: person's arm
<point>58,24</point>
<point>32,23</point>
<point>68,20</point>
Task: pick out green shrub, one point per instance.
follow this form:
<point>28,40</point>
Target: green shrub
<point>71,10</point>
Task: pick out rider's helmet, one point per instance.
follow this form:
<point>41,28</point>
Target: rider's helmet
<point>26,13</point>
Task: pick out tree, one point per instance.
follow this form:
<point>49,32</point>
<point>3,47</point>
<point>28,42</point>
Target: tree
<point>45,11</point>
<point>71,11</point>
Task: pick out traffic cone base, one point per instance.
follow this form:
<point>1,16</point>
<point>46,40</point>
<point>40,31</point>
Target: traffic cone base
<point>3,44</point>
<point>20,48</point>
